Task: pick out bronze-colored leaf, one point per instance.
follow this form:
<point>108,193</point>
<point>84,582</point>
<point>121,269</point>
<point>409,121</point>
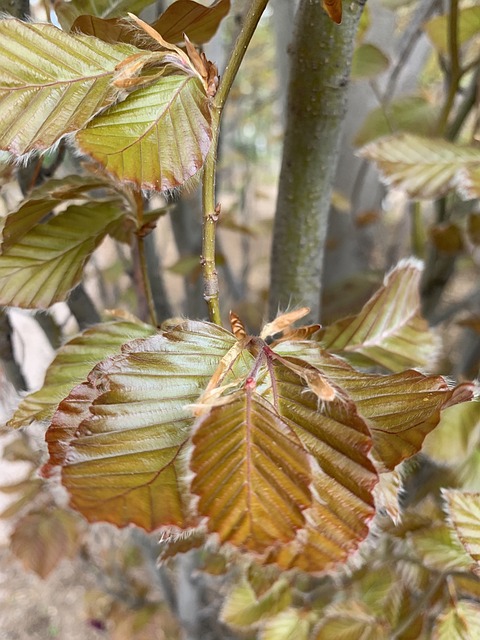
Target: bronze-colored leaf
<point>252,474</point>
<point>195,20</point>
<point>389,331</point>
<point>400,409</point>
<point>72,364</point>
<point>122,439</point>
<point>41,540</point>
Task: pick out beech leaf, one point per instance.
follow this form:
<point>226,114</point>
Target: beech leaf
<point>468,27</point>
<point>368,61</point>
<point>68,11</point>
<point>350,620</point>
<point>157,138</point>
<point>47,261</point>
<point>439,550</point>
<point>464,513</point>
<point>197,21</point>
<point>389,331</point>
<point>460,622</point>
<point>292,624</point>
<point>45,198</point>
<point>414,114</point>
<point>242,608</point>
<point>41,540</point>
<point>51,83</point>
<point>252,474</point>
<point>72,363</point>
<point>425,168</point>
<point>123,456</point>
<point>400,409</point>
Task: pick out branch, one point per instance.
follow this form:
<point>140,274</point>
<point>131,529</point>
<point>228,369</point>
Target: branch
<point>82,308</point>
<point>210,209</point>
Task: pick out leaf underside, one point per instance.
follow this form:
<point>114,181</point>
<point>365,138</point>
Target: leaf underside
<point>51,83</point>
<point>123,457</point>
<point>157,138</point>
<point>389,331</point>
<point>426,168</point>
<point>47,262</point>
<point>72,364</point>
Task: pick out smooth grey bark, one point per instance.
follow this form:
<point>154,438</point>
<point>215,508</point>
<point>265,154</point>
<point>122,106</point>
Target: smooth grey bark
<point>317,101</point>
<point>16,8</point>
<point>283,19</point>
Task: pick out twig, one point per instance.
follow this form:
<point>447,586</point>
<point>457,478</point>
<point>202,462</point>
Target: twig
<point>210,207</point>
<point>422,605</point>
<point>147,288</point>
<point>455,70</point>
<point>464,108</point>
<point>82,308</point>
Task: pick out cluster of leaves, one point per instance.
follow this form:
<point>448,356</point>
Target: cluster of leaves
<point>274,449</point>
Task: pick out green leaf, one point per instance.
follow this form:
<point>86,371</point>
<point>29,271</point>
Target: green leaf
<point>368,61</point>
<point>252,474</point>
<point>439,550</point>
<point>242,607</point>
<point>456,435</point>
<point>73,363</point>
<point>425,168</point>
<point>48,261</point>
<point>45,198</point>
<point>464,512</point>
<point>123,456</point>
<point>51,83</point>
<point>389,331</point>
<point>364,24</point>
<point>468,27</point>
<point>29,489</point>
<point>68,11</point>
<point>414,114</point>
<point>460,622</point>
<point>292,624</point>
<point>41,540</point>
<point>351,620</point>
<point>157,138</point>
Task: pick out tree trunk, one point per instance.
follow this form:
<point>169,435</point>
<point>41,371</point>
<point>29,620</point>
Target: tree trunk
<point>317,101</point>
